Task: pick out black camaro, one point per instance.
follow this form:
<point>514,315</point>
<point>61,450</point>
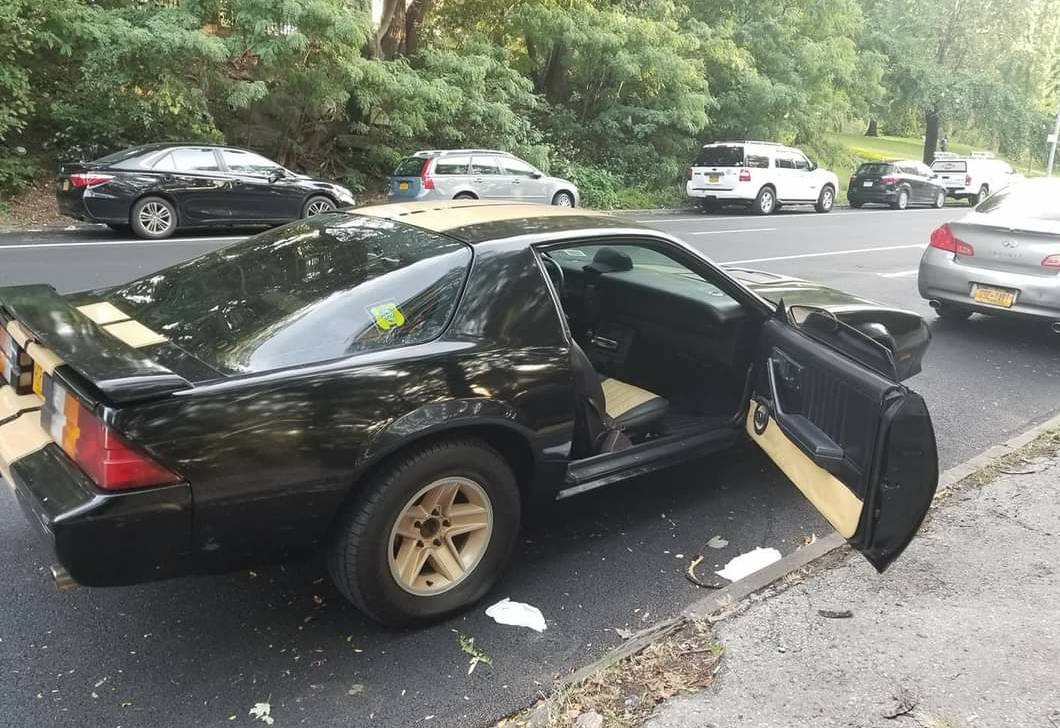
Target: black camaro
<point>157,188</point>
<point>398,385</point>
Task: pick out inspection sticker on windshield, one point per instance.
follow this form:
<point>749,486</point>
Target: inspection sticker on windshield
<point>387,316</point>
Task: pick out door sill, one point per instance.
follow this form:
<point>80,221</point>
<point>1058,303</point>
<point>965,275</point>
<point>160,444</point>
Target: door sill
<point>600,470</point>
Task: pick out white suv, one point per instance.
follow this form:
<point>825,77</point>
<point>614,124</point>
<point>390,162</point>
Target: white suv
<point>974,177</point>
<point>761,175</point>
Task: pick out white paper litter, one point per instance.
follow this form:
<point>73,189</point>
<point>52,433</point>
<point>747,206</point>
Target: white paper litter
<point>517,614</point>
<point>748,563</point>
<point>717,543</point>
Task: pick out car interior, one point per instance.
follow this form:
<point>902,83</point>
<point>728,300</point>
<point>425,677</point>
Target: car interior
<point>657,349</point>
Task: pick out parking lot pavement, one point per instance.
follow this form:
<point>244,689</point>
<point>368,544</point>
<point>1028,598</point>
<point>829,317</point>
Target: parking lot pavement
<point>198,651</point>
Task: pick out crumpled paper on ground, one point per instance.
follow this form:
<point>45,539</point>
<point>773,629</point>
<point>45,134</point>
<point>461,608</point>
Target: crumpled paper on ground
<point>517,614</point>
<point>748,563</point>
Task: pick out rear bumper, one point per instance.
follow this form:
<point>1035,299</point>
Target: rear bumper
<point>883,197</point>
<point>944,279</point>
<point>101,539</point>
<point>71,204</point>
<point>736,194</point>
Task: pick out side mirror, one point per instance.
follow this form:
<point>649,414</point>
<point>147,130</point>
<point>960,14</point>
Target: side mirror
<point>813,165</point>
<point>536,175</point>
<point>277,174</point>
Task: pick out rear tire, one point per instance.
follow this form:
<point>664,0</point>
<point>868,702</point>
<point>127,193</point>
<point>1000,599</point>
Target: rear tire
<point>826,200</point>
<point>952,312</point>
<point>765,202</point>
<point>983,193</point>
<point>563,199</point>
<point>940,200</point>
<point>465,196</point>
<point>153,218</point>
<point>367,551</point>
<point>903,200</point>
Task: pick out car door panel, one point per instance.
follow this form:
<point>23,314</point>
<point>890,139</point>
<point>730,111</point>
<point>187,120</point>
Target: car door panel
<point>859,446</point>
<point>256,192</point>
<point>192,177</point>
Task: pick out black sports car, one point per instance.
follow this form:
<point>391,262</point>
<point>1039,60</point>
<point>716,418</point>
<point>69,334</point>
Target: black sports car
<point>398,385</point>
<point>156,189</point>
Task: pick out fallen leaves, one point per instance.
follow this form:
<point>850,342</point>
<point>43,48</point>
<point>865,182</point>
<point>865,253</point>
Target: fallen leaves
<point>262,712</point>
<point>467,646</point>
<point>690,574</point>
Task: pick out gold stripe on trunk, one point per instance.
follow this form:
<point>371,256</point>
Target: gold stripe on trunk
<point>134,333</point>
<point>103,313</point>
<point>46,359</point>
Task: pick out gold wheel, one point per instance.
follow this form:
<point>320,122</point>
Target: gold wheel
<point>440,536</point>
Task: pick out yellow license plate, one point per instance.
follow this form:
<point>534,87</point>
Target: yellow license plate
<point>995,296</point>
<point>403,186</point>
<point>714,179</point>
<point>66,185</point>
<point>38,380</point>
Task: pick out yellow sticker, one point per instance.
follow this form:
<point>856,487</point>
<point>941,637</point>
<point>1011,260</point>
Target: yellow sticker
<point>387,316</point>
<point>38,379</point>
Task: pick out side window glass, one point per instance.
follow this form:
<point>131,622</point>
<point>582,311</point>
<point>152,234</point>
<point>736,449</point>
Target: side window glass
<point>802,163</point>
<point>484,166</point>
<point>195,160</point>
<point>516,167</point>
<point>757,161</point>
<point>241,162</point>
<point>165,163</point>
<point>451,165</point>
<point>785,163</point>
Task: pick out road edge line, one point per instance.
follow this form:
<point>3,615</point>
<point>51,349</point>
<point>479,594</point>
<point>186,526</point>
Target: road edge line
<point>737,591</point>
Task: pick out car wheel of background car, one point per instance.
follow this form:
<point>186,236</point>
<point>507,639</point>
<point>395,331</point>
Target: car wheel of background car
<point>826,200</point>
<point>563,199</point>
<point>983,193</point>
<point>940,199</point>
<point>952,312</point>
<point>318,205</point>
<point>903,200</point>
<point>765,202</point>
<point>465,196</point>
<point>429,534</point>
<point>153,218</point>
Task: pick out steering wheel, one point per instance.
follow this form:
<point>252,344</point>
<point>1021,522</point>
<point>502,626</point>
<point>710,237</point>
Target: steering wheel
<point>555,272</point>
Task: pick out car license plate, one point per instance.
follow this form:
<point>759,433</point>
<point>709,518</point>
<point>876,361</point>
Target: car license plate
<point>713,179</point>
<point>995,296</point>
<point>403,186</point>
<point>38,380</point>
<point>867,183</point>
<point>66,185</point>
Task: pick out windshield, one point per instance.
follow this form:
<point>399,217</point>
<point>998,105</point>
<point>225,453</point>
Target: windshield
<point>304,293</point>
<point>1035,199</point>
<point>724,156</point>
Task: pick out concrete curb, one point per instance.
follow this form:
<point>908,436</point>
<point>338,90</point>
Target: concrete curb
<point>740,590</point>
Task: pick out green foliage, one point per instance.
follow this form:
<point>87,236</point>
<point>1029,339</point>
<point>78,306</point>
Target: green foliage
<point>16,170</point>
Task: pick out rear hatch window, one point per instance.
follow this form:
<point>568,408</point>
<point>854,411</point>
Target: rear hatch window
<point>958,165</point>
<point>875,169</point>
<point>1036,200</point>
<point>409,167</point>
<point>304,293</point>
<point>720,156</point>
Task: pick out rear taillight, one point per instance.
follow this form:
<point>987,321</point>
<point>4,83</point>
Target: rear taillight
<point>104,456</point>
<point>16,368</point>
<point>745,175</point>
<point>967,180</point>
<point>688,174</point>
<point>943,239</point>
<point>88,179</point>
<point>1052,261</point>
<point>426,181</point>
<point>853,179</point>
<point>889,180</point>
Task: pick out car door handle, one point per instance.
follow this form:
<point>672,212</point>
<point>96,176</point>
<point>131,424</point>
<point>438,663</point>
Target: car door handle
<point>821,448</point>
<point>605,343</point>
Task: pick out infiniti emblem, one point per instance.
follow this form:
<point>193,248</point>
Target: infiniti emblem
<point>1010,243</point>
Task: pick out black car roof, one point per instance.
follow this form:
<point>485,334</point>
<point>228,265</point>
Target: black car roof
<point>476,221</point>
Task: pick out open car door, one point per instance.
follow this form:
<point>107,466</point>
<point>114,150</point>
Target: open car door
<point>857,444</point>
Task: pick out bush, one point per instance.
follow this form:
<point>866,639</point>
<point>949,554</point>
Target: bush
<point>16,171</point>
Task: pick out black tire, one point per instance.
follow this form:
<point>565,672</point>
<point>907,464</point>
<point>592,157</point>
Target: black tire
<point>940,200</point>
<point>826,199</point>
<point>153,218</point>
<point>465,196</point>
<point>952,312</point>
<point>318,205</point>
<point>902,201</point>
<point>983,193</point>
<point>765,201</point>
<point>563,199</point>
<point>358,558</point>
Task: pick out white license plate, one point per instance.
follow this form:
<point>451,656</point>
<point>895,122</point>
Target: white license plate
<point>713,179</point>
<point>867,183</point>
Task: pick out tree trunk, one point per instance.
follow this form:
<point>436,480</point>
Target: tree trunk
<point>554,79</point>
<point>414,16</point>
<point>931,135</point>
<point>872,131</point>
<point>393,41</point>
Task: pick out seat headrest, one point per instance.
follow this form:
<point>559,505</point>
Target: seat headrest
<point>609,260</point>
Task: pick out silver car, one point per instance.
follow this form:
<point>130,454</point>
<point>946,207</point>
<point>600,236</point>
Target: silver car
<point>476,174</point>
<point>1003,258</point>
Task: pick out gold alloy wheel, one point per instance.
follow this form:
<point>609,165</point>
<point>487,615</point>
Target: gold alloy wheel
<point>440,536</point>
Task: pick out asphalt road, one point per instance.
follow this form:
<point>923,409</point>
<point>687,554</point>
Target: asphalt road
<point>203,651</point>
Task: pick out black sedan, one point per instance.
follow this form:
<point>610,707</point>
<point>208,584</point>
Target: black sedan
<point>898,183</point>
<point>156,189</point>
<point>397,386</point>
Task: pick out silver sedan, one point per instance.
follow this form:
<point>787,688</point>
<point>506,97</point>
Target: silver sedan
<point>1003,258</point>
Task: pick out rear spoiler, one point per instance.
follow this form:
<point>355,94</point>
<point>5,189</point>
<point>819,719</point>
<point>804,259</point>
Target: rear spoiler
<point>121,372</point>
